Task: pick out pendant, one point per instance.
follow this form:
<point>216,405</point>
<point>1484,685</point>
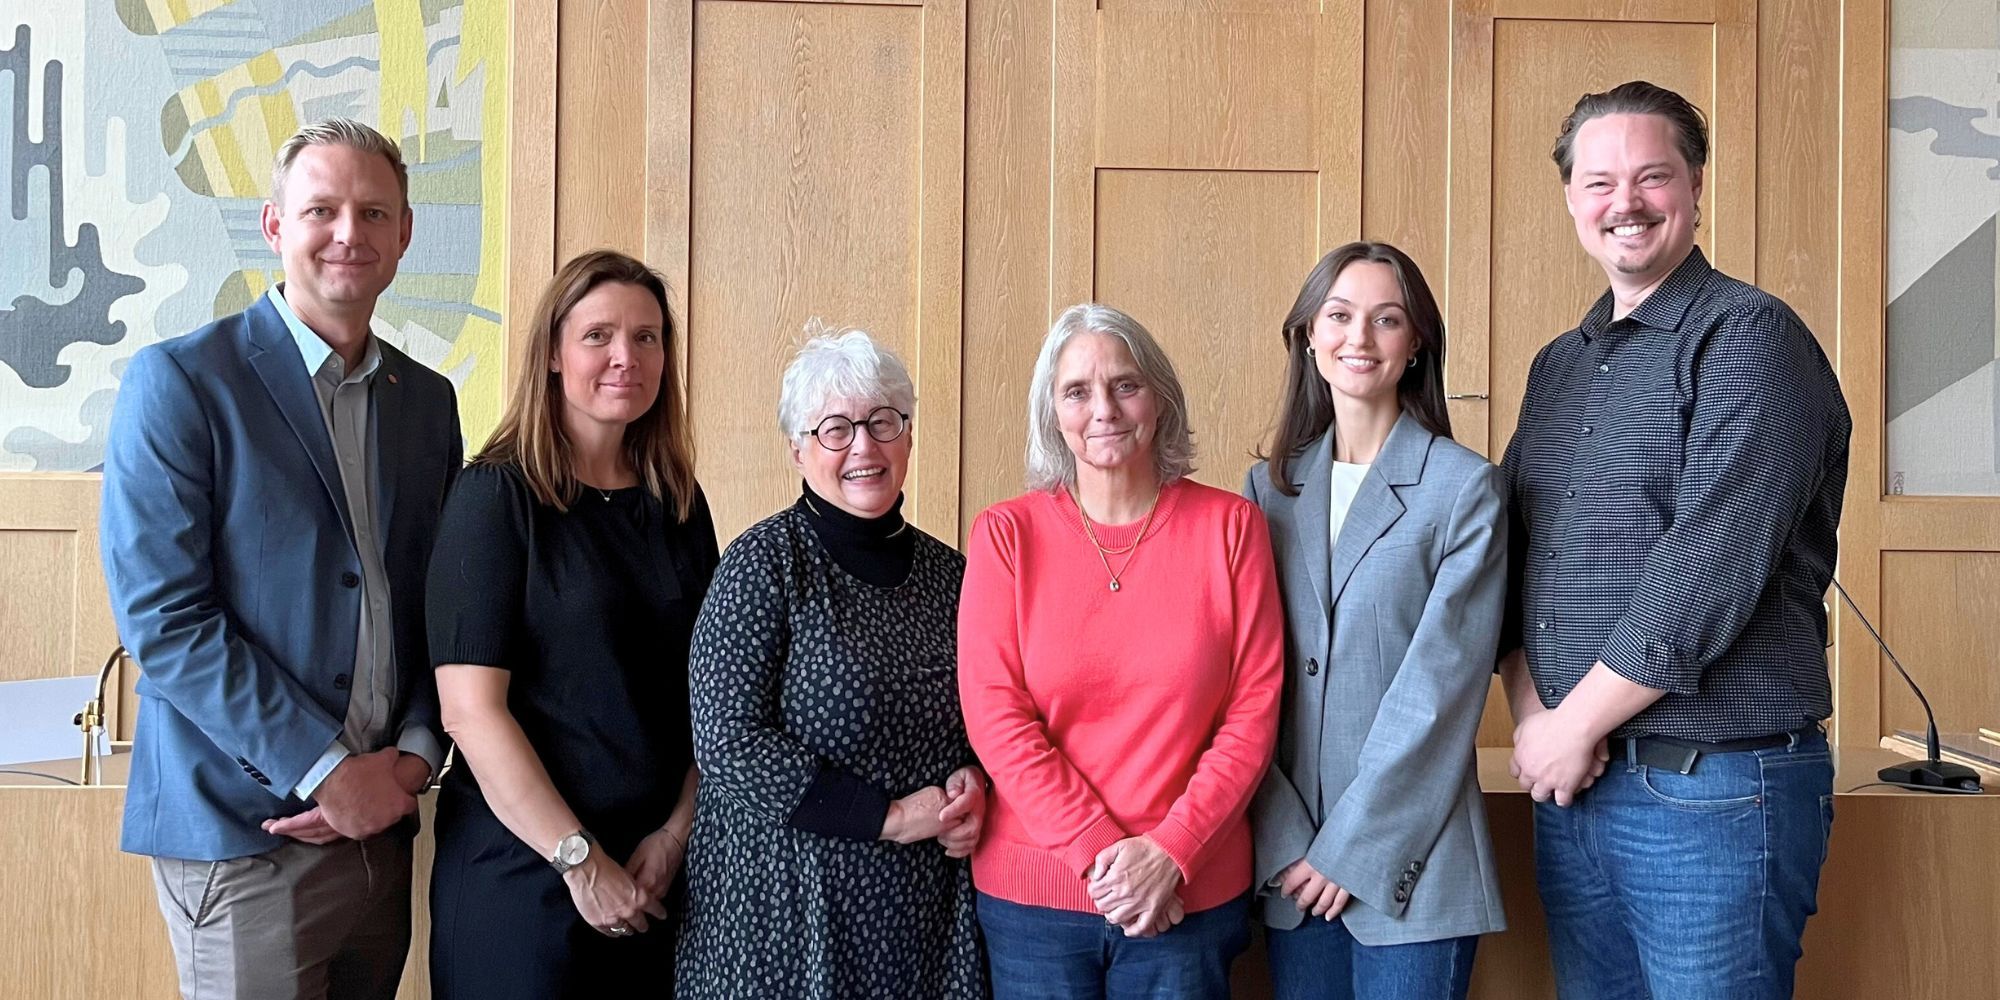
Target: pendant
<point>1114,586</point>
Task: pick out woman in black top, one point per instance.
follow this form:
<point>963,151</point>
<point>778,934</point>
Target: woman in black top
<point>570,564</point>
<point>838,800</point>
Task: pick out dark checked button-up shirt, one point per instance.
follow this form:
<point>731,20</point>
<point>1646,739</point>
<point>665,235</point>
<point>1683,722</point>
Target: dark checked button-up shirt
<point>1676,484</point>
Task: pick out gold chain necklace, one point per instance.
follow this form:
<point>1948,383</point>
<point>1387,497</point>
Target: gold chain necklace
<point>1104,554</point>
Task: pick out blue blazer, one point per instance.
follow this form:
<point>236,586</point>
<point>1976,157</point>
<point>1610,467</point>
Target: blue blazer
<point>234,578</point>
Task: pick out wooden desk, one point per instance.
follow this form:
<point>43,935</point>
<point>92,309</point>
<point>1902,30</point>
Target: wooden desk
<point>1895,921</point>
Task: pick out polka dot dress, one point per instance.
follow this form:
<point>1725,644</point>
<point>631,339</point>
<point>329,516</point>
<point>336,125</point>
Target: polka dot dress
<point>796,663</point>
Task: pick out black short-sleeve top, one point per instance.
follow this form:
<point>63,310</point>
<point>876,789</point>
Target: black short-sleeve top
<point>590,610</point>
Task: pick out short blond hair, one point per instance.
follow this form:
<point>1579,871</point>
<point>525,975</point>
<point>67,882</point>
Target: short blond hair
<point>338,132</point>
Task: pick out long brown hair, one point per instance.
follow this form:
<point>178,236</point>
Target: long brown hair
<point>1306,410</point>
<point>531,433</point>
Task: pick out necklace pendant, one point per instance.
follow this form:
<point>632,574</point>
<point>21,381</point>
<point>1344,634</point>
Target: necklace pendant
<point>1114,586</point>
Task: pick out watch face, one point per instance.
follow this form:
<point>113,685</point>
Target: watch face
<point>573,849</point>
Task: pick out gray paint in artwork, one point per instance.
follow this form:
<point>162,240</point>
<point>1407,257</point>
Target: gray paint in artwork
<point>1941,328</point>
<point>1953,125</point>
<point>33,331</point>
<point>51,452</point>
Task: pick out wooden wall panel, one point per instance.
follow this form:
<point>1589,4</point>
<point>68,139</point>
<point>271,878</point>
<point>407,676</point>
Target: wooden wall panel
<point>1200,90</point>
<point>1406,105</point>
<point>38,608</point>
<point>1798,160</point>
<point>1938,615</point>
<point>1007,223</point>
<point>1210,261</point>
<point>600,126</point>
<point>1539,69</point>
<point>55,614</point>
<point>81,920</point>
<point>805,194</point>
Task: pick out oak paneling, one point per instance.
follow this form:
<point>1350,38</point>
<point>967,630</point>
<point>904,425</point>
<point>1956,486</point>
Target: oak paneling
<point>805,198</point>
<point>1198,90</point>
<point>1938,615</point>
<point>1542,281</point>
<point>1210,262</point>
<point>600,114</point>
<point>1007,227</point>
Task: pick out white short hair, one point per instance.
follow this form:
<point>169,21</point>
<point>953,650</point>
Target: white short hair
<point>840,364</point>
<point>1050,462</point>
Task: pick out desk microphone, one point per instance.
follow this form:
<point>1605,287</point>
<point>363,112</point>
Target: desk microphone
<point>1933,774</point>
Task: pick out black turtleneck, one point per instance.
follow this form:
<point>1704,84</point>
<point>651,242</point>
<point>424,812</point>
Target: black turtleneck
<point>876,550</point>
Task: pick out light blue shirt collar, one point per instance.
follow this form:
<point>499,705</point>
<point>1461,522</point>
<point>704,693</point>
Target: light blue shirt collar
<point>314,350</point>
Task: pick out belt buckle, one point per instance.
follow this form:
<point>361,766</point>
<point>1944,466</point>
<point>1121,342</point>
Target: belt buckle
<point>1666,756</point>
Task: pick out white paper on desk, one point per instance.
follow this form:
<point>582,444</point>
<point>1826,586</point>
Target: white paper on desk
<point>35,719</point>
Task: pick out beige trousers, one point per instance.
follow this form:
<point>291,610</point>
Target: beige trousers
<point>301,922</point>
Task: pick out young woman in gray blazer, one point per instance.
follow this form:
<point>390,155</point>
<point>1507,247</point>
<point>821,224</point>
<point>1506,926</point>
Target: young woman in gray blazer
<point>1374,871</point>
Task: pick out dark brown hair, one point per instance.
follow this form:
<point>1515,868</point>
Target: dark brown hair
<point>1636,98</point>
<point>531,435</point>
<point>1306,412</point>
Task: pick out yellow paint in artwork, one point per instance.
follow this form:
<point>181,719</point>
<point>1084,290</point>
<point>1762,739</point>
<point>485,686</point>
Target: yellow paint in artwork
<point>403,77</point>
<point>221,154</point>
<point>483,41</point>
<point>262,122</point>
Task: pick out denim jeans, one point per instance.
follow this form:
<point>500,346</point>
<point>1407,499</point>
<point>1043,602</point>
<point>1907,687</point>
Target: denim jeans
<point>1667,886</point>
<point>1043,953</point>
<point>1320,960</point>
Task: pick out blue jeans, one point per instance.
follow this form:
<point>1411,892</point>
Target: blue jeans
<point>1668,886</point>
<point>1320,960</point>
<point>1042,953</point>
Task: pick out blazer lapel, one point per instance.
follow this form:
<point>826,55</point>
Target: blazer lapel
<point>276,360</point>
<point>1376,506</point>
<point>1309,514</point>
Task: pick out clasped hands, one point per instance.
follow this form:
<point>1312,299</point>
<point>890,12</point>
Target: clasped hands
<point>365,794</point>
<point>620,900</point>
<point>1136,884</point>
<point>952,814</point>
<point>1555,759</point>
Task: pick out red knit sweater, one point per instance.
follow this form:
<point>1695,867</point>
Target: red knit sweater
<point>1100,715</point>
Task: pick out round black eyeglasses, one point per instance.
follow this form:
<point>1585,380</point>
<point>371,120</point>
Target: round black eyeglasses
<point>884,423</point>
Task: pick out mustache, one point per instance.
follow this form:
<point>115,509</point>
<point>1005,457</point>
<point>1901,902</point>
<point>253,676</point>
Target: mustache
<point>1627,220</point>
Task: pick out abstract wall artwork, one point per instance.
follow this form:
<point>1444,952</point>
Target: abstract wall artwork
<point>1944,196</point>
<point>136,139</point>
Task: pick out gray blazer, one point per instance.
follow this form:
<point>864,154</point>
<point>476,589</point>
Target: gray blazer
<point>1389,649</point>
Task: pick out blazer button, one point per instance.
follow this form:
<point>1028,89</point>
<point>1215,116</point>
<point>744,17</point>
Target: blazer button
<point>1312,667</point>
<point>340,682</point>
<point>1402,895</point>
<point>349,580</point>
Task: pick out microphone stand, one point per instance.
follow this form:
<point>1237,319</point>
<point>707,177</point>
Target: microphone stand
<point>1932,774</point>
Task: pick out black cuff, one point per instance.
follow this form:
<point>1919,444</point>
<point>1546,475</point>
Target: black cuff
<point>840,803</point>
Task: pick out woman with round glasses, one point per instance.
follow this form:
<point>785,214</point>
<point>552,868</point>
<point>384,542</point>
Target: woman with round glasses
<point>838,793</point>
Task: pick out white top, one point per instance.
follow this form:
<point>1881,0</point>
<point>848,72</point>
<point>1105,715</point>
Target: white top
<point>1347,477</point>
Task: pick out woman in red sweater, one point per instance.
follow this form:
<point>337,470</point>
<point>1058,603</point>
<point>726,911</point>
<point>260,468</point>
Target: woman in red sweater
<point>1120,646</point>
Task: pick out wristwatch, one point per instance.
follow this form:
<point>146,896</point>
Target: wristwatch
<point>572,850</point>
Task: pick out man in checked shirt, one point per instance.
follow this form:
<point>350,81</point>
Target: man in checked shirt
<point>1676,485</point>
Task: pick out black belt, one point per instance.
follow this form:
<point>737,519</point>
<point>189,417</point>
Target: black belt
<point>1678,755</point>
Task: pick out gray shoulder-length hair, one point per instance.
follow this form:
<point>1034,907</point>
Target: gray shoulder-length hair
<point>836,364</point>
<point>1050,462</point>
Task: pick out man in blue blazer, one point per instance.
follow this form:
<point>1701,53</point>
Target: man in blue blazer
<point>271,489</point>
